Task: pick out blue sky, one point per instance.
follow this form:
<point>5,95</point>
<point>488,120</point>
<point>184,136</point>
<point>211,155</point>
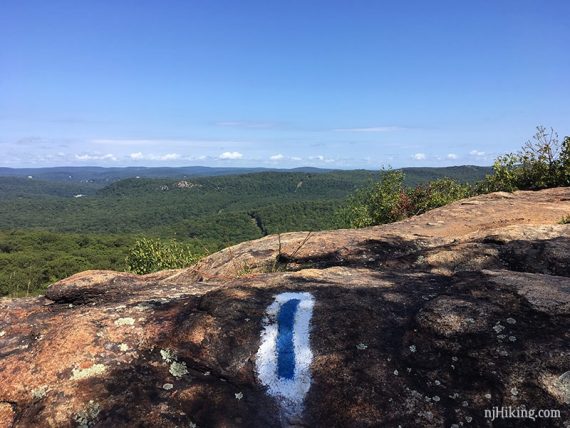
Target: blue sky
<point>279,83</point>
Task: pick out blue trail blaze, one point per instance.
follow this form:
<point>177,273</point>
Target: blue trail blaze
<point>285,349</point>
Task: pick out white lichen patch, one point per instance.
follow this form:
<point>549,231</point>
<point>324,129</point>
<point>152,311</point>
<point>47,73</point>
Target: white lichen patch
<point>514,391</point>
<point>361,346</point>
<point>178,369</point>
<point>498,328</point>
<point>123,347</point>
<point>168,355</point>
<point>511,321</point>
<point>94,370</point>
<point>125,321</point>
<point>2,333</point>
<point>167,386</point>
<point>239,395</point>
<point>412,348</point>
<point>40,392</point>
<point>86,417</point>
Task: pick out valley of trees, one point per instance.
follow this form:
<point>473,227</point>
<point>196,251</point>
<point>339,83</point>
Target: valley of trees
<point>144,223</point>
<point>46,233</point>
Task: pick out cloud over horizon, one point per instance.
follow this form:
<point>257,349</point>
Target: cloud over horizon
<point>166,157</point>
<point>230,156</point>
<point>87,157</point>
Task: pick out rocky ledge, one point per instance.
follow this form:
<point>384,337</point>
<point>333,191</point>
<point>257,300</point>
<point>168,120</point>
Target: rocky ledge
<point>426,322</point>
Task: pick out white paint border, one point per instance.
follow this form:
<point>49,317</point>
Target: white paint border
<point>290,392</point>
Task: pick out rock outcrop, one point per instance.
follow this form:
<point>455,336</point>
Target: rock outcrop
<point>426,322</point>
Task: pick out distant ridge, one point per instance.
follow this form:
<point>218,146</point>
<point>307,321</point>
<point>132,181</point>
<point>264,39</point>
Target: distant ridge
<point>103,174</point>
<point>97,174</point>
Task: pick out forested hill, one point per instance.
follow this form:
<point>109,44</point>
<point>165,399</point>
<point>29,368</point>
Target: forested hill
<point>102,176</point>
<point>17,187</point>
<point>218,208</point>
<point>52,229</point>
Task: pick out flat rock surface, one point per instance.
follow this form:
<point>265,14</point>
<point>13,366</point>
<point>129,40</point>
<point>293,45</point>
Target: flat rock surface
<point>425,323</point>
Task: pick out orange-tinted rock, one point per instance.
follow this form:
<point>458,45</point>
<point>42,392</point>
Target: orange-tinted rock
<point>7,415</point>
<point>413,325</point>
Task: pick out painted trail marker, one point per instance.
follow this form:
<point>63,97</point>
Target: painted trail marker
<point>284,357</point>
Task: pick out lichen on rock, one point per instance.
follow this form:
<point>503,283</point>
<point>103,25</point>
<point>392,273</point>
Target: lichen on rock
<point>178,369</point>
<point>125,321</point>
<point>86,417</point>
<point>94,370</point>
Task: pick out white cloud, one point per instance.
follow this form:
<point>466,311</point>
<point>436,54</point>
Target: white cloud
<point>370,129</point>
<point>231,155</point>
<point>419,156</point>
<point>277,157</point>
<point>476,153</point>
<point>96,157</point>
<point>452,156</point>
<point>296,158</point>
<point>166,157</point>
<point>322,158</point>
